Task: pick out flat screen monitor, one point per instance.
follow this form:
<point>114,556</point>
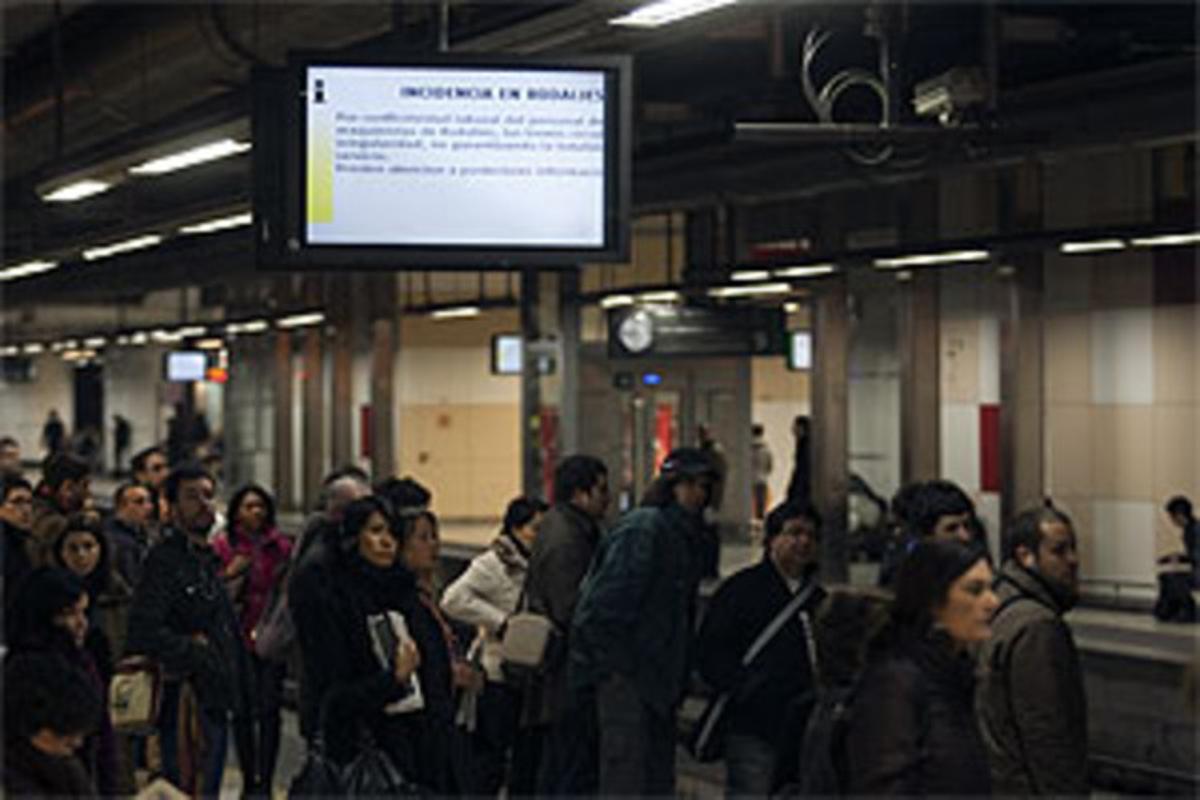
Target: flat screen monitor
<point>186,365</point>
<point>799,350</point>
<point>467,162</point>
<point>508,357</point>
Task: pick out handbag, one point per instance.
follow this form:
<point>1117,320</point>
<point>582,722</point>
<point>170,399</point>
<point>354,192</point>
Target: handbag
<point>135,695</point>
<point>707,742</point>
<point>530,643</point>
<point>318,777</point>
<point>275,633</point>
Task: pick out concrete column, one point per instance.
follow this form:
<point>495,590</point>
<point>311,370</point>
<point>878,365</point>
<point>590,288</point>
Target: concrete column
<point>383,359</point>
<point>314,415</point>
<point>531,394</point>
<point>920,414</point>
<point>830,421</point>
<point>568,361</point>
<point>343,410</point>
<point>285,489</point>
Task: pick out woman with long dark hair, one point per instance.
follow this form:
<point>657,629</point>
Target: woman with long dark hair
<point>356,662</point>
<point>254,558</point>
<point>51,616</point>
<point>913,729</point>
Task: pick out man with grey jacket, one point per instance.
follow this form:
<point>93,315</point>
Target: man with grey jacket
<point>1030,697</point>
<point>557,565</point>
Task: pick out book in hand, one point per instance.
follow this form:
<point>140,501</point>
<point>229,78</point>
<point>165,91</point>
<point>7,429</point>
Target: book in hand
<point>388,631</point>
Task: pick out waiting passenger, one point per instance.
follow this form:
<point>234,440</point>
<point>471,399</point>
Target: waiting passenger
<point>16,517</point>
<point>356,663</point>
<point>761,718</point>
<point>150,469</point>
<point>485,596</point>
<point>929,510</point>
<point>83,550</point>
<point>913,729</point>
<point>254,557</point>
<point>557,565</point>
<point>631,636</point>
<point>128,530</point>
<point>65,489</point>
<point>1179,509</point>
<point>51,619</point>
<point>182,618</point>
<point>49,709</point>
<point>10,455</point>
<point>1031,702</point>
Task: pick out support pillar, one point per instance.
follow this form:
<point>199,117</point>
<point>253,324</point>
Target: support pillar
<point>285,463</point>
<point>314,415</point>
<point>531,393</point>
<point>830,422</point>
<point>920,414</point>
<point>343,410</point>
<point>383,360</point>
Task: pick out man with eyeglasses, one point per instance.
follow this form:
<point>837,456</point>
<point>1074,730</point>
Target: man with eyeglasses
<point>128,530</point>
<point>16,516</point>
<point>183,618</point>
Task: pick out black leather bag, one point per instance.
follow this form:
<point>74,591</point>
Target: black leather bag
<point>372,773</point>
<point>318,777</point>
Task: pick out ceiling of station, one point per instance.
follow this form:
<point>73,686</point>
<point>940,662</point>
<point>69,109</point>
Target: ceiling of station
<point>102,78</point>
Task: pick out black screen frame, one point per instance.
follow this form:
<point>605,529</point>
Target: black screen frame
<point>280,155</point>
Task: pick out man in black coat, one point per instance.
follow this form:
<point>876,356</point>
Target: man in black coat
<point>762,714</point>
<point>182,617</point>
<point>560,558</point>
<point>128,530</point>
<point>16,515</point>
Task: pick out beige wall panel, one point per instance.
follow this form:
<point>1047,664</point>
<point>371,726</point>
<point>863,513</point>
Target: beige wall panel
<point>1123,280</point>
<point>1123,453</point>
<point>772,381</point>
<point>1068,365</point>
<point>1079,509</point>
<point>959,344</point>
<point>1176,460</point>
<point>420,330</point>
<point>1068,283</point>
<point>1069,446</point>
<point>1176,353</point>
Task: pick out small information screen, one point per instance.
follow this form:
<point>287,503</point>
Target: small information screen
<point>455,157</point>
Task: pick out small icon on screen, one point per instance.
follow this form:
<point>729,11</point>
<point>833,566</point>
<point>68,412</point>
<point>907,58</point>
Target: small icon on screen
<point>319,91</point>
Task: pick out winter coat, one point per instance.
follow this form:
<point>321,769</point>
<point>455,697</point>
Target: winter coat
<point>180,601</point>
<point>1031,702</point>
<point>129,548</point>
<point>17,563</point>
<point>636,609</point>
<point>781,673</point>
<point>557,566</point>
<point>912,729</point>
<point>30,773</point>
<point>269,554</point>
<point>487,593</point>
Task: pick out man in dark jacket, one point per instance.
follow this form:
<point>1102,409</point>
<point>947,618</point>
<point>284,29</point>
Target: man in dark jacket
<point>16,515</point>
<point>1179,509</point>
<point>65,489</point>
<point>762,715</point>
<point>1030,698</point>
<point>557,564</point>
<point>631,636</point>
<point>182,617</point>
<point>128,530</point>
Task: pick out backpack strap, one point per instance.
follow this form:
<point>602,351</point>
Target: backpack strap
<point>776,624</point>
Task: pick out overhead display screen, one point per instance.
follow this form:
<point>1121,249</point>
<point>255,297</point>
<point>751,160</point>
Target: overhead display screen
<point>451,156</point>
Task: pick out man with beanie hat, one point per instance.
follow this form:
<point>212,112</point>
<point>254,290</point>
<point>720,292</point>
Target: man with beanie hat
<point>631,634</point>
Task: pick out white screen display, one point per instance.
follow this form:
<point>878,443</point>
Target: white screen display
<point>507,355</point>
<point>800,350</point>
<point>437,156</point>
<point>186,365</point>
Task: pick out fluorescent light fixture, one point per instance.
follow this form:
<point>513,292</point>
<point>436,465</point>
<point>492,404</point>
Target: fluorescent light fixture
<point>191,157</point>
<point>32,349</point>
<point>10,350</point>
<point>791,308</point>
<point>78,355</point>
<point>76,191</point>
<point>664,296</point>
<point>94,342</point>
<point>455,312</point>
<point>750,275</point>
<point>164,336</point>
<point>250,326</point>
<point>219,224</point>
<point>301,320</point>
<point>750,290</point>
<point>1167,240</point>
<point>616,301</point>
<point>26,269</point>
<point>127,246</point>
<point>933,259</point>
<point>122,340</point>
<point>1096,246</point>
<point>808,271</point>
<point>210,344</point>
<point>191,331</point>
<point>139,338</point>
<point>664,12</point>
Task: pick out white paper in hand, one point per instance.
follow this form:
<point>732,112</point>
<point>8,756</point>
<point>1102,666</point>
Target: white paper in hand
<point>389,630</point>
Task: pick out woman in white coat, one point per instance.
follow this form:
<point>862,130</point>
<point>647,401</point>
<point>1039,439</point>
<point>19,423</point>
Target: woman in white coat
<point>486,595</point>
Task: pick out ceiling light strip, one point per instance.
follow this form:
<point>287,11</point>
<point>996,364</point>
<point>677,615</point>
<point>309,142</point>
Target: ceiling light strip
<point>933,259</point>
<point>455,312</point>
<point>807,271</point>
<point>127,246</point>
<point>1096,246</point>
<point>27,269</point>
<point>79,190</point>
<point>1167,240</point>
<point>664,12</point>
<point>300,320</point>
<point>755,290</point>
<point>218,224</point>
<point>191,157</point>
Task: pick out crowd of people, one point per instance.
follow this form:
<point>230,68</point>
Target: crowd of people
<point>957,676</point>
